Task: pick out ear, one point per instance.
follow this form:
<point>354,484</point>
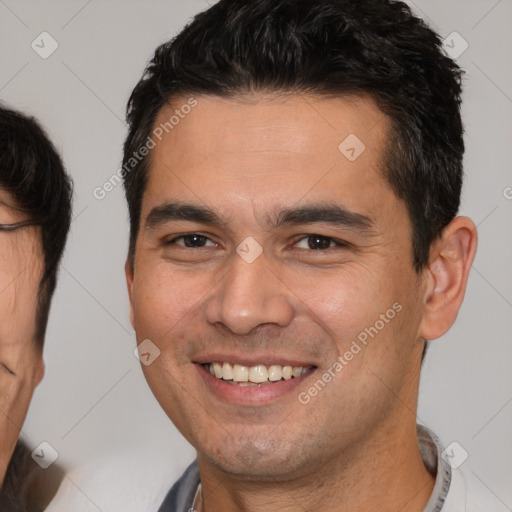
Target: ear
<point>446,277</point>
<point>129,271</point>
<point>38,374</point>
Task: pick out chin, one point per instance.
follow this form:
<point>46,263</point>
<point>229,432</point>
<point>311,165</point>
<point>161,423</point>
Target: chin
<point>260,460</point>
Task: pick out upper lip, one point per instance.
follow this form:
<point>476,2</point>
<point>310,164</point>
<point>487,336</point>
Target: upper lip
<point>252,360</point>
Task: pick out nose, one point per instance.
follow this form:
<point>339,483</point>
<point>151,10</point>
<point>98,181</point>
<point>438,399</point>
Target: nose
<point>250,295</point>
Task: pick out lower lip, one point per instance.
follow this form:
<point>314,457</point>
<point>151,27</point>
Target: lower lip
<point>250,395</point>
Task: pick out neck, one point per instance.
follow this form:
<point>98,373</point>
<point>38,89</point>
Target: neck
<point>386,474</point>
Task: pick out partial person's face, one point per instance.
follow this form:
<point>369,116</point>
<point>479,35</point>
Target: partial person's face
<point>325,280</point>
<point>21,268</point>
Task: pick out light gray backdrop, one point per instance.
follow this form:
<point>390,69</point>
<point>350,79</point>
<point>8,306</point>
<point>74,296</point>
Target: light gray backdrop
<point>94,406</point>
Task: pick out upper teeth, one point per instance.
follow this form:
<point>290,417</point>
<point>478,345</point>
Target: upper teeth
<point>256,374</point>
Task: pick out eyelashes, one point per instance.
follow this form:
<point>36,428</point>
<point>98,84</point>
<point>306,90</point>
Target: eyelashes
<point>17,225</point>
<point>312,242</point>
<point>194,238</point>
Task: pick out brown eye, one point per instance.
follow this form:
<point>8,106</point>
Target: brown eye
<point>316,242</point>
<point>190,240</point>
<point>194,240</point>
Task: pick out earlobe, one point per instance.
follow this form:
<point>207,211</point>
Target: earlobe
<point>128,270</point>
<point>39,373</point>
<point>451,258</point>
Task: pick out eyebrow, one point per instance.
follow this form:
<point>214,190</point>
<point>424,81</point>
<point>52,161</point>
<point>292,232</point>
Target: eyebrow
<point>177,211</point>
<point>332,214</point>
<point>13,226</point>
<point>17,225</point>
<point>10,205</point>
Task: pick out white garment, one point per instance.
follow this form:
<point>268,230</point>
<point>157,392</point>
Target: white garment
<point>455,490</point>
<point>468,494</point>
<point>132,483</point>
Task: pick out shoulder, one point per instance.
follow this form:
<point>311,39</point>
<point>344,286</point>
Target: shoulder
<point>469,493</point>
<point>27,486</point>
<point>128,481</point>
<point>181,495</point>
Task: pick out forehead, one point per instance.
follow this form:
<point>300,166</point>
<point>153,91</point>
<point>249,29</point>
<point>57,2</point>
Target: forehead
<point>10,211</point>
<point>278,148</point>
<point>303,124</point>
<point>6,198</point>
<point>24,240</point>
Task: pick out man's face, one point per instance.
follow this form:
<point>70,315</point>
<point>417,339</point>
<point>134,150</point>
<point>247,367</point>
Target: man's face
<point>329,258</point>
<point>21,267</point>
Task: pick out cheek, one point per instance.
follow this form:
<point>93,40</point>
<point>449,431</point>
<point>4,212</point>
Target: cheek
<point>18,306</point>
<point>343,302</point>
<point>162,299</point>
<point>21,269</point>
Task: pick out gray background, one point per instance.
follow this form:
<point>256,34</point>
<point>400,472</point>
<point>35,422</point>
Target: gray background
<point>94,406</point>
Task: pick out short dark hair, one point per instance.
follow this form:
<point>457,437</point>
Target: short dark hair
<point>329,48</point>
<point>31,170</point>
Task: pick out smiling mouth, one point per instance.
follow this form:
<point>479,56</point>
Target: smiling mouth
<point>255,375</point>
